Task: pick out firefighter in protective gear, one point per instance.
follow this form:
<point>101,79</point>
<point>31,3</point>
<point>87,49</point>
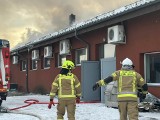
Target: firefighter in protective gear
<point>128,82</point>
<point>68,87</point>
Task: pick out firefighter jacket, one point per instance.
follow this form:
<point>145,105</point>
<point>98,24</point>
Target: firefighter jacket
<point>66,86</point>
<point>128,82</point>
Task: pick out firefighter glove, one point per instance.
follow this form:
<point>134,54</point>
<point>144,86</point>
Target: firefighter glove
<point>95,86</point>
<point>143,96</point>
<point>78,100</point>
<point>50,104</point>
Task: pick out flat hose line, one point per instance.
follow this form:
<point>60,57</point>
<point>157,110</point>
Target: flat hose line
<point>33,101</point>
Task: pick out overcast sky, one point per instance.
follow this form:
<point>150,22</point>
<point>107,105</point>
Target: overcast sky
<point>21,19</point>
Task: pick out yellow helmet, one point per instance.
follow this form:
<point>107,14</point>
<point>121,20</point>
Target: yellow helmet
<point>68,64</point>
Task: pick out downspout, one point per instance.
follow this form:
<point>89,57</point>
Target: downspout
<point>27,71</point>
<point>29,47</point>
<point>85,42</point>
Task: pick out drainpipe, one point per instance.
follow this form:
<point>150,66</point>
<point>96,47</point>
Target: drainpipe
<point>27,68</point>
<point>27,63</point>
<point>85,42</point>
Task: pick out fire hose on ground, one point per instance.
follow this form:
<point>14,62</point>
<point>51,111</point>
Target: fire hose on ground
<point>34,101</point>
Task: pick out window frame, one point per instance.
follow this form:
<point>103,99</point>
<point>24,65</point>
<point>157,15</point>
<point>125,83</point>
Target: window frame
<point>76,58</point>
<point>36,62</point>
<point>146,67</point>
<point>23,65</point>
<point>44,63</point>
<point>61,59</point>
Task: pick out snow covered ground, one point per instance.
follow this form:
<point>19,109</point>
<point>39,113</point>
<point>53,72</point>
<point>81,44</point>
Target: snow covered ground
<point>94,111</point>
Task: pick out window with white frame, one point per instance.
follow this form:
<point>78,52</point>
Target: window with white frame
<point>47,62</point>
<point>81,54</point>
<point>23,65</point>
<point>152,67</point>
<point>61,59</point>
<point>34,64</point>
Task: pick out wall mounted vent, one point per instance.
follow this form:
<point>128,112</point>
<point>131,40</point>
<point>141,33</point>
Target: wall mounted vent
<point>15,59</point>
<point>35,54</point>
<point>64,47</point>
<point>116,35</point>
<point>48,51</point>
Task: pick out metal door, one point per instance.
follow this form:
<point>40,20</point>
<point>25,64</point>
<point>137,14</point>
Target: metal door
<point>90,74</point>
<point>108,66</point>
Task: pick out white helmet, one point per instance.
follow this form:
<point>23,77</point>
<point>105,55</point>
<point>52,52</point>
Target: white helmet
<point>127,61</point>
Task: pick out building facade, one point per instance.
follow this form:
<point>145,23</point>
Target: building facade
<point>131,31</point>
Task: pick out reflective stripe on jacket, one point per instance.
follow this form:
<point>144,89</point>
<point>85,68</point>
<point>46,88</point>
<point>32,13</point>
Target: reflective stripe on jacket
<point>127,84</point>
<point>128,81</point>
<point>67,86</point>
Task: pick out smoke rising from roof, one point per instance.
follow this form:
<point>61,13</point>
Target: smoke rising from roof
<point>23,19</point>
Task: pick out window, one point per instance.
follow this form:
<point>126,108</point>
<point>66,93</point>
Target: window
<point>34,64</point>
<point>61,59</point>
<point>81,54</point>
<point>47,62</point>
<point>152,67</point>
<point>23,65</point>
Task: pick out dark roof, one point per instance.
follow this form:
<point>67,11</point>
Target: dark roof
<point>126,12</point>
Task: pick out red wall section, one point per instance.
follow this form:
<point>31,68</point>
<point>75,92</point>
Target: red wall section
<point>155,91</point>
<point>142,36</point>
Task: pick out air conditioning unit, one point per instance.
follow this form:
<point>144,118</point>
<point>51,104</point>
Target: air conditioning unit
<point>35,54</point>
<point>48,51</point>
<point>116,35</point>
<point>64,47</point>
<point>15,59</point>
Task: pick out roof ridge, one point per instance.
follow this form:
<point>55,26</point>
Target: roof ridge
<point>97,18</point>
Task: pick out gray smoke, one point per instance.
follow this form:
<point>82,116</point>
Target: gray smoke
<point>46,16</point>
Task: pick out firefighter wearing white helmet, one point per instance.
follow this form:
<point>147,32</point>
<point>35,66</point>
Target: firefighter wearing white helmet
<point>127,61</point>
<point>127,64</point>
<point>68,87</point>
<point>128,83</point>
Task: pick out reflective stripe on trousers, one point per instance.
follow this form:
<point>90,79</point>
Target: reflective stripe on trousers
<point>129,109</point>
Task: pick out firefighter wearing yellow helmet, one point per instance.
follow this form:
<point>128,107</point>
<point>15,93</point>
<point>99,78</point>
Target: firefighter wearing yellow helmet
<point>128,82</point>
<point>68,87</point>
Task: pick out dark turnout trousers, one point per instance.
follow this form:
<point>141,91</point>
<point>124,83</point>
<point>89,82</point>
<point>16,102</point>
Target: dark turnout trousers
<point>70,105</point>
<point>130,109</point>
